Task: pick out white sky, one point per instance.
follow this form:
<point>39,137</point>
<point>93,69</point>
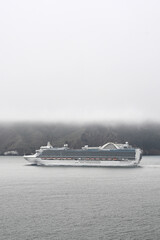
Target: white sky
<point>79,60</point>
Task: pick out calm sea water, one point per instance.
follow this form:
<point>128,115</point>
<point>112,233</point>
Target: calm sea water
<point>66,203</point>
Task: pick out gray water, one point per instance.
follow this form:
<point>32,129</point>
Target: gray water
<point>67,203</point>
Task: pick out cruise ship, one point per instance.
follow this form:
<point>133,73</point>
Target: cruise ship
<point>108,155</point>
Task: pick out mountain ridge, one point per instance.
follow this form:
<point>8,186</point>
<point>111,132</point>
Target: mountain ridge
<point>27,137</point>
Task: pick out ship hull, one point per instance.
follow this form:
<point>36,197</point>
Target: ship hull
<point>84,163</point>
<point>87,163</point>
<point>75,163</point>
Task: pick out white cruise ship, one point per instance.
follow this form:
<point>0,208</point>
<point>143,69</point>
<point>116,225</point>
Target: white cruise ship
<point>108,155</point>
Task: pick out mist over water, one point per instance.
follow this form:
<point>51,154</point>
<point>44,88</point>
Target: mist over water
<point>79,203</point>
<point>79,61</point>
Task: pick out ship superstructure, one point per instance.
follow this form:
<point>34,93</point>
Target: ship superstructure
<point>108,155</point>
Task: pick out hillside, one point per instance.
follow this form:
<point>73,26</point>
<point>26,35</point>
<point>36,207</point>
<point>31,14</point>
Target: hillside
<point>27,137</point>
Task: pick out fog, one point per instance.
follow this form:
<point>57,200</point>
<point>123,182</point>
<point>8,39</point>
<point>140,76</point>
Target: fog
<point>79,61</point>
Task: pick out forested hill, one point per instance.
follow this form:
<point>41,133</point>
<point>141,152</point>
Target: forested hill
<point>26,137</point>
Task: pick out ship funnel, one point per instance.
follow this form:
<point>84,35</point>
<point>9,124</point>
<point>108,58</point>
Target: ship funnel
<point>49,145</point>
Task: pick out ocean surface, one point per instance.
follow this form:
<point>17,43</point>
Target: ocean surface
<point>65,203</point>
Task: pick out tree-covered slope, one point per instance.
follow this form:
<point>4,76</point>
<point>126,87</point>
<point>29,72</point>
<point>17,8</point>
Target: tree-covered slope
<point>27,137</point>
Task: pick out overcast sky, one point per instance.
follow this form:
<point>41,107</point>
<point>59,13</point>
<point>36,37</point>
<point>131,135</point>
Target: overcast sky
<point>84,60</point>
